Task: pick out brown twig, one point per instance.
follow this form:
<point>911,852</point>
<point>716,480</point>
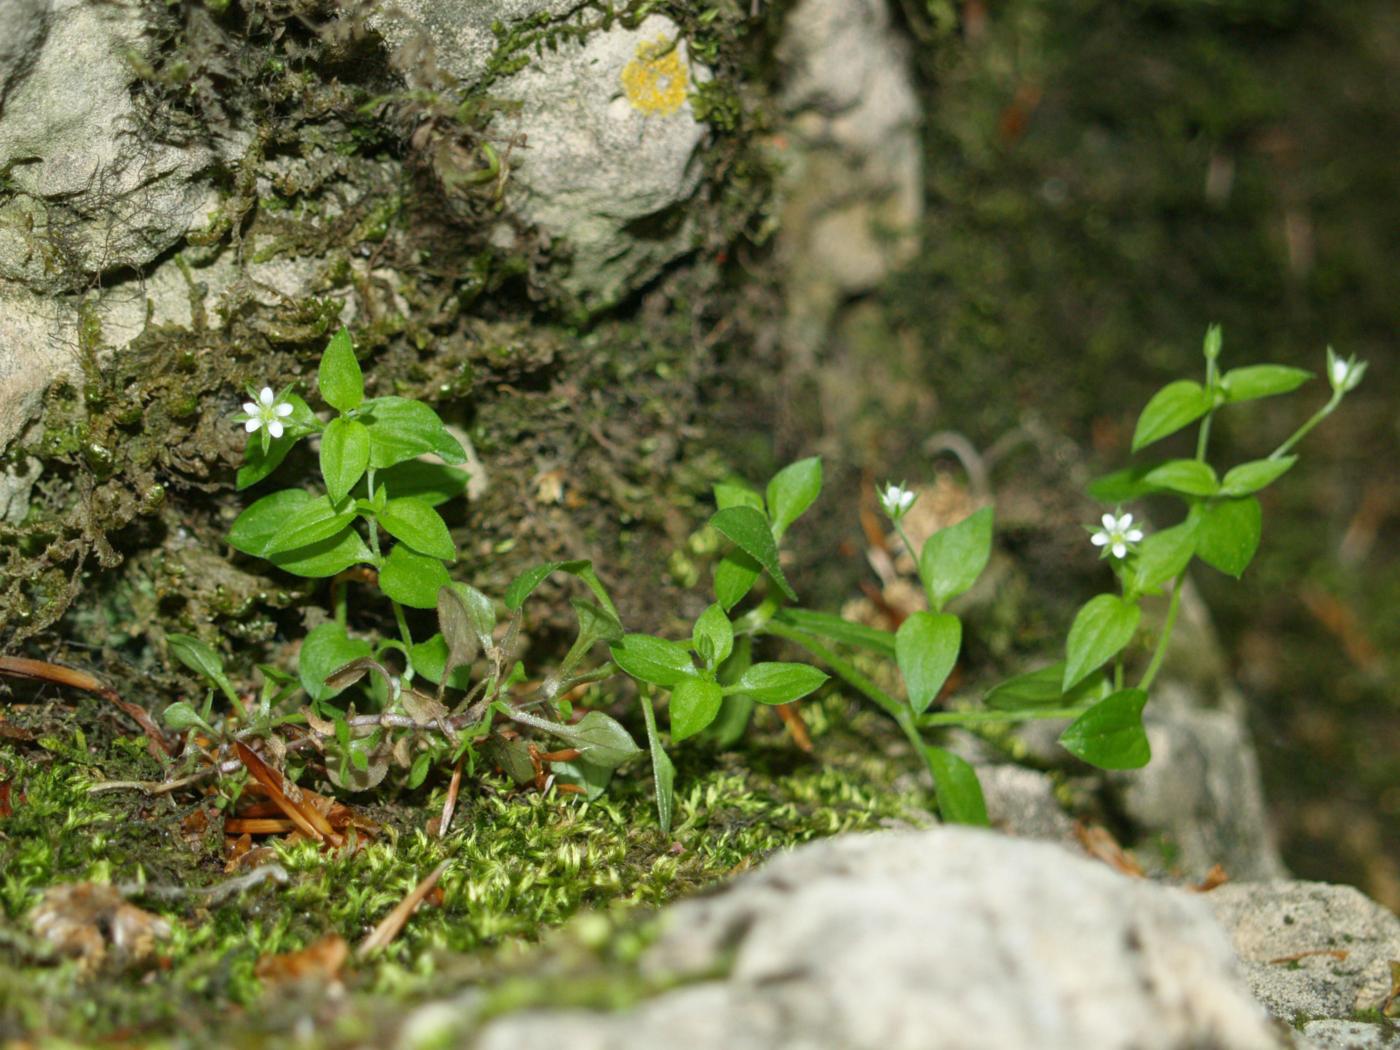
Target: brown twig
<point>311,822</point>
<point>392,923</point>
<point>42,671</point>
<point>449,804</point>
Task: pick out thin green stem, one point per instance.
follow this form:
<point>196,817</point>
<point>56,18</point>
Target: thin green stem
<point>1159,654</point>
<point>907,544</point>
<point>848,671</point>
<point>972,718</point>
<point>1203,435</point>
<point>378,559</point>
<point>1302,432</point>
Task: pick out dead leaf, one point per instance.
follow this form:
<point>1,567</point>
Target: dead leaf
<point>312,823</point>
<point>1101,845</point>
<point>392,923</point>
<point>321,961</point>
<point>83,919</point>
<point>1214,879</point>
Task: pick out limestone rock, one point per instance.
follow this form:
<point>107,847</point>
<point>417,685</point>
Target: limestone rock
<point>951,937</point>
<point>1310,948</point>
<point>1350,1035</point>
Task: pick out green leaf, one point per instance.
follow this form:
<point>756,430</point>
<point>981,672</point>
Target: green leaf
<point>960,798</point>
<point>327,649</point>
<point>401,429</point>
<point>836,629</point>
<point>712,637</point>
<point>1228,534</point>
<point>200,658</point>
<point>341,381</point>
<point>344,456</point>
<point>1164,555</point>
<point>430,659</point>
<point>433,483</point>
<point>461,641</point>
<point>1171,408</point>
<point>1188,476</point>
<point>736,711</point>
<point>663,773</point>
<point>419,771</point>
<point>325,558</point>
<point>259,524</point>
<point>1100,630</point>
<point>954,557</point>
<point>653,660</point>
<point>180,716</point>
<point>1042,688</point>
<point>1110,734</point>
<point>926,648</point>
<point>735,576</point>
<point>792,490</point>
<point>1256,381</point>
<point>523,585</point>
<point>1255,475</point>
<point>777,683</point>
<point>748,528</point>
<point>594,779</point>
<point>601,738</point>
<point>737,494</point>
<point>694,704</point>
<point>314,520</point>
<point>1123,486</point>
<point>417,524</point>
<point>412,579</point>
<point>595,624</point>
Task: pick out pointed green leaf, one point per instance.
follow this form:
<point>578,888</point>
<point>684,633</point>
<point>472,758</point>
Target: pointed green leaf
<point>314,520</point>
<point>735,576</point>
<point>827,625</point>
<point>1187,476</point>
<point>326,557</point>
<point>1110,734</point>
<point>663,773</point>
<point>1163,555</point>
<point>960,798</point>
<point>327,649</point>
<point>478,610</point>
<point>954,557</point>
<point>200,658</point>
<point>1123,486</point>
<point>926,648</point>
<point>258,462</point>
<point>749,530</point>
<point>694,704</point>
<point>344,456</point>
<point>737,494</point>
<point>402,429</point>
<point>412,579</point>
<point>1255,475</point>
<point>792,490</point>
<point>259,524</point>
<point>417,524</point>
<point>1101,629</point>
<point>341,381</point>
<point>712,637</point>
<point>180,716</point>
<point>433,483</point>
<point>653,660</point>
<point>1043,688</point>
<point>431,659</point>
<point>1171,408</point>
<point>1228,534</point>
<point>1256,381</point>
<point>523,585</point>
<point>777,683</point>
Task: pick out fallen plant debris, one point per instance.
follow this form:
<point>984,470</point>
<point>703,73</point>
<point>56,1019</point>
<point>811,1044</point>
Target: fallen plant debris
<point>392,923</point>
<point>321,961</point>
<point>84,919</point>
<point>42,671</point>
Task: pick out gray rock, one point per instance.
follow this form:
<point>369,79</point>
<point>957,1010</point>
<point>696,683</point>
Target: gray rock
<point>1022,802</point>
<point>23,24</point>
<point>1202,788</point>
<point>951,937</point>
<point>1350,1035</point>
<point>609,153</point>
<point>1286,933</point>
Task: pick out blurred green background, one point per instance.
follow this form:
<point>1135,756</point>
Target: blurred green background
<point>1104,180</point>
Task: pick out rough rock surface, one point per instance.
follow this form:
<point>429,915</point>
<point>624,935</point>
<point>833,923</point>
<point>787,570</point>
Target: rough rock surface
<point>881,940</point>
<point>1310,949</point>
<point>1350,1035</point>
<point>609,155</point>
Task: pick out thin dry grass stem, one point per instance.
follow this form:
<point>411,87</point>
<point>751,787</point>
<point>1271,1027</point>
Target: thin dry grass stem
<point>383,934</point>
<point>42,671</point>
<point>795,725</point>
<point>449,804</point>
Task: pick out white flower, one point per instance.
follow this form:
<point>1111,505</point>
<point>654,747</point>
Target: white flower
<point>1117,534</point>
<point>1344,373</point>
<point>266,410</point>
<point>896,501</point>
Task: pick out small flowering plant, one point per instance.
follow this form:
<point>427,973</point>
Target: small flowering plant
<point>1117,535</point>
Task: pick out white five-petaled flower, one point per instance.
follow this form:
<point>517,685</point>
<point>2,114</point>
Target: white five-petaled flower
<point>1117,534</point>
<point>266,410</point>
<point>896,501</point>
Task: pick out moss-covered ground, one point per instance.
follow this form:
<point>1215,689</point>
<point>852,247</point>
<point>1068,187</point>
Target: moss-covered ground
<point>520,864</point>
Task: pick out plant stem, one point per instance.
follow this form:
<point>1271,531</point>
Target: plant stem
<point>970,718</point>
<point>1302,432</point>
<point>378,560</point>
<point>1160,653</point>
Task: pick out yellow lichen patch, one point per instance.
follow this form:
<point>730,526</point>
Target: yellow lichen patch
<point>655,81</point>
